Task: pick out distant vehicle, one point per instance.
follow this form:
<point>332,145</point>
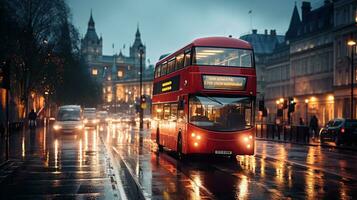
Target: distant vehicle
<point>68,119</point>
<point>103,117</point>
<point>90,117</point>
<point>115,118</point>
<point>340,130</point>
<point>203,98</point>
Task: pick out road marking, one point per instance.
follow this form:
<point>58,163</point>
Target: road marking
<point>118,181</point>
<point>145,194</point>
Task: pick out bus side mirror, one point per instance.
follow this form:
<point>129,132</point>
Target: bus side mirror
<point>181,104</point>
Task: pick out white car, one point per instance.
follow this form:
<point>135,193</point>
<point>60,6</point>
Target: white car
<point>68,119</point>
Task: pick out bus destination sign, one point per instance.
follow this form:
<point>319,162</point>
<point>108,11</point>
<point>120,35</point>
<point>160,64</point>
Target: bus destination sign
<point>168,85</point>
<point>213,82</point>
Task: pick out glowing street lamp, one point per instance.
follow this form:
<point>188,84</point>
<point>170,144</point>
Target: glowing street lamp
<point>352,44</point>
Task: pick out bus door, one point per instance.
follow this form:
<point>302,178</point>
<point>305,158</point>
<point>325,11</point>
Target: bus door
<point>182,119</point>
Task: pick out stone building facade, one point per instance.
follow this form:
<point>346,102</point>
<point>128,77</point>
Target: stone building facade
<point>345,29</point>
<point>310,65</point>
<point>119,74</point>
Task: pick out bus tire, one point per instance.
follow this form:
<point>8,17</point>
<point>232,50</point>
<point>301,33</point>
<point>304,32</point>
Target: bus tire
<point>180,155</point>
<point>159,146</point>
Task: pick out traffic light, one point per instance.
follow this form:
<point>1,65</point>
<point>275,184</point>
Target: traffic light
<point>291,105</point>
<point>143,102</point>
<point>285,105</point>
<point>261,105</point>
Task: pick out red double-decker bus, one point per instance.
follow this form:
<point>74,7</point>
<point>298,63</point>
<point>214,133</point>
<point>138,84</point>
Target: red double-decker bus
<point>204,98</point>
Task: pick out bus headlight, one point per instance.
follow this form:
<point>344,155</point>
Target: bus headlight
<point>57,127</point>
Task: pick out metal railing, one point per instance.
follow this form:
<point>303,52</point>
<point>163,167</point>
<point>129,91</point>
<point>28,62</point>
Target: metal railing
<point>292,133</point>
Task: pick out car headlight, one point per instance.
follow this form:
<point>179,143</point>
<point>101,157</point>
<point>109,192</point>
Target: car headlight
<point>95,121</point>
<point>85,121</point>
<point>79,127</point>
<point>57,127</point>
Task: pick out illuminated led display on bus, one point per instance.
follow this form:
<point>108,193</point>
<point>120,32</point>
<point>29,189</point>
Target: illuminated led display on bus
<point>224,82</point>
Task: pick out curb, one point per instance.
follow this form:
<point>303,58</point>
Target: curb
<point>308,144</point>
<point>137,188</point>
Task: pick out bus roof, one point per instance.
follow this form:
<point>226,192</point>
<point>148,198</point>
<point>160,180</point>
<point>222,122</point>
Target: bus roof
<point>221,42</point>
<point>211,42</point>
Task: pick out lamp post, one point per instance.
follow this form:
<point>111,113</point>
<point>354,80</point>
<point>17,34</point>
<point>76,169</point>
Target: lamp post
<point>352,44</point>
<point>306,110</point>
<point>141,111</point>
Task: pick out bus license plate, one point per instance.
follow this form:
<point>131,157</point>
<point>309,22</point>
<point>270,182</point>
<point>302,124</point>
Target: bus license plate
<point>221,152</point>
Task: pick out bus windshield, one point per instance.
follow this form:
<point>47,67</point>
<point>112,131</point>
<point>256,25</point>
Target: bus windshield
<point>221,113</point>
<point>69,115</point>
<point>213,56</point>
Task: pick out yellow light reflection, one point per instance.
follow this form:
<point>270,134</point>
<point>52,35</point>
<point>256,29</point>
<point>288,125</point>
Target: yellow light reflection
<point>23,147</point>
<point>56,153</point>
<point>280,165</point>
<point>85,140</point>
<point>196,184</point>
<point>80,153</point>
<point>243,187</point>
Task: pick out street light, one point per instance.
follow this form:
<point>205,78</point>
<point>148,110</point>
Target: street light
<point>306,110</point>
<point>141,111</point>
<point>352,44</point>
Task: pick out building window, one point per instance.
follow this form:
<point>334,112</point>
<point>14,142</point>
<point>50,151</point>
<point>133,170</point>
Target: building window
<point>120,73</point>
<point>94,72</point>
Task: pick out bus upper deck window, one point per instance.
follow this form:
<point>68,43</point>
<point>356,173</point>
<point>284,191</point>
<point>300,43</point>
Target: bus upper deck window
<point>187,58</point>
<point>179,61</point>
<point>163,69</point>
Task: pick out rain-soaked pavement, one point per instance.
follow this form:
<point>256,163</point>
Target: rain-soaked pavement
<point>67,166</point>
<point>78,167</point>
<point>277,171</point>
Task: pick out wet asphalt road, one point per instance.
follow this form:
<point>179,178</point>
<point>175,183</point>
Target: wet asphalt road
<point>277,171</point>
<point>77,166</point>
<point>66,166</point>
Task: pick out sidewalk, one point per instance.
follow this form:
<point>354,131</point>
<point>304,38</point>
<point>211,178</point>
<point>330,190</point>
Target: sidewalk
<point>301,137</point>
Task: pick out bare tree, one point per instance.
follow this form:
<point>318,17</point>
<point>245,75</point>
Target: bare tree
<point>39,23</point>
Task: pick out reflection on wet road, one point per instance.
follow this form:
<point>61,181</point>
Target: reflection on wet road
<point>75,166</point>
<point>57,166</point>
<point>277,171</point>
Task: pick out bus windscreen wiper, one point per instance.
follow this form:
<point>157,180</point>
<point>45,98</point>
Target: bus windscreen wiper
<point>211,98</point>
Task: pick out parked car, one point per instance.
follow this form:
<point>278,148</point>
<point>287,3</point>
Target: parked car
<point>68,119</point>
<point>340,130</point>
<point>90,117</point>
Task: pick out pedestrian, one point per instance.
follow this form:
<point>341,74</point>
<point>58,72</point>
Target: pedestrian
<point>301,122</point>
<point>32,119</point>
<point>314,123</point>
